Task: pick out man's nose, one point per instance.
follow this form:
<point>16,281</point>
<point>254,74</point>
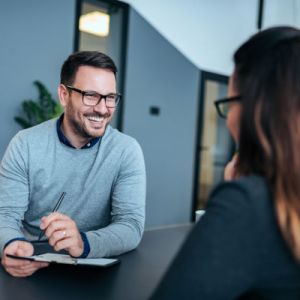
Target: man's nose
<point>101,107</point>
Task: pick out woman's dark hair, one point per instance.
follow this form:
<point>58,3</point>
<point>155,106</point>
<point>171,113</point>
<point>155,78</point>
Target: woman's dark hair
<point>84,58</point>
<point>267,75</point>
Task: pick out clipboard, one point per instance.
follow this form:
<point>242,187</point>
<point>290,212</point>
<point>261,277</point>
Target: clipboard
<point>69,260</point>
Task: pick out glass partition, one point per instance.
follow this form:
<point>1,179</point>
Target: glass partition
<point>102,26</point>
<point>215,143</point>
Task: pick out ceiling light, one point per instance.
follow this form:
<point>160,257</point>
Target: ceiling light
<point>96,23</point>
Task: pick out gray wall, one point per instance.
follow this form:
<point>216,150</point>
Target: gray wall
<point>158,75</point>
<point>36,37</point>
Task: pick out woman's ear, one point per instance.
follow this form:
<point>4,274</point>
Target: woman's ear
<point>63,95</point>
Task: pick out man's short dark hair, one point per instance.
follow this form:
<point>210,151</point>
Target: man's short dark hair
<point>84,58</point>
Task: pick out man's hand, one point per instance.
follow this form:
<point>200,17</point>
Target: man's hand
<point>18,267</point>
<point>62,233</point>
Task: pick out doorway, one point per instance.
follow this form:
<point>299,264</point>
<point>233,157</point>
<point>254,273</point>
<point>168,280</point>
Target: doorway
<point>215,145</point>
<point>101,25</point>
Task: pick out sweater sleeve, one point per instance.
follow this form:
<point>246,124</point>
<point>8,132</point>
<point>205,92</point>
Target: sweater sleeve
<point>127,211</point>
<point>217,260</point>
<point>14,191</point>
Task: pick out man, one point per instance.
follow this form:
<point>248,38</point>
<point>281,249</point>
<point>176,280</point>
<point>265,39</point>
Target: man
<point>99,170</point>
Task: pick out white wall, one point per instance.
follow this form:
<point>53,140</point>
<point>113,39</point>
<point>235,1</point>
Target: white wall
<point>36,37</point>
<point>205,31</point>
<point>278,12</point>
<point>208,31</point>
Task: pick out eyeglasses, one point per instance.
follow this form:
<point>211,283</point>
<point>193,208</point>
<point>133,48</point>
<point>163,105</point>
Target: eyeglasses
<point>90,98</point>
<point>222,105</point>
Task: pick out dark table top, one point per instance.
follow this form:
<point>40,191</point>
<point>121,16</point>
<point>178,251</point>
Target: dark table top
<point>134,278</point>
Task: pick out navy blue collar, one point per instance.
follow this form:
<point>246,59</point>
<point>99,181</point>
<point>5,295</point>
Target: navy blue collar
<point>66,142</point>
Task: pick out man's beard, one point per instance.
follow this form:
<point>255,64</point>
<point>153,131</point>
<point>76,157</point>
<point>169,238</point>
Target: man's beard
<point>78,127</point>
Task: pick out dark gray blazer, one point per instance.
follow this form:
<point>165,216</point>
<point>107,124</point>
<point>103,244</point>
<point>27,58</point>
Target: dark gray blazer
<point>236,250</point>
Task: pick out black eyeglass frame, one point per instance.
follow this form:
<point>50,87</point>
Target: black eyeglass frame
<point>225,100</point>
<point>100,96</point>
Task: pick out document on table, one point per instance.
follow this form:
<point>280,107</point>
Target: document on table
<point>66,259</point>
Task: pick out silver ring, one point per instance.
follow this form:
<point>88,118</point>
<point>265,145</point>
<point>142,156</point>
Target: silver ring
<point>64,233</point>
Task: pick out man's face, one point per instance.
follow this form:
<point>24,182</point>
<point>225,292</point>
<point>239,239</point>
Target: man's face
<point>83,122</point>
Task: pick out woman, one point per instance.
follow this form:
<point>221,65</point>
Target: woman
<point>247,245</point>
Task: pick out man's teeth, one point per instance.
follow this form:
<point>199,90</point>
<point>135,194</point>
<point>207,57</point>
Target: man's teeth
<point>95,118</point>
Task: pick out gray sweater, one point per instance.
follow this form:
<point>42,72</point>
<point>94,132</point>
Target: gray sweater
<point>105,188</point>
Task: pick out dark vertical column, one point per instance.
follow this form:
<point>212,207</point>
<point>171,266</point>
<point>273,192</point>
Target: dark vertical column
<point>76,24</point>
<point>125,20</point>
<point>260,14</point>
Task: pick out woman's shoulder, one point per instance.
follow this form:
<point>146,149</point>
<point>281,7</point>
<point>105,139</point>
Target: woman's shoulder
<point>250,194</point>
<point>252,186</point>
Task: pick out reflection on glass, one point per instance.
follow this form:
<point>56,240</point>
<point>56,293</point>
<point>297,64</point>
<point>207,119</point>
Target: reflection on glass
<point>95,22</point>
<point>100,29</point>
<point>216,143</point>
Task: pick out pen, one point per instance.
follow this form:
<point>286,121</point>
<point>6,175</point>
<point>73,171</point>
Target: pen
<point>56,207</point>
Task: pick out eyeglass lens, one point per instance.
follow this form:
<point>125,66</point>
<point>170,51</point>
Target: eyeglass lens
<point>92,99</point>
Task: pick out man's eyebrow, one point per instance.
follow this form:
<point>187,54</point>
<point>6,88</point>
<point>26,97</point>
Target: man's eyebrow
<point>94,92</point>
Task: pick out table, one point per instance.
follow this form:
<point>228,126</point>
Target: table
<point>134,278</point>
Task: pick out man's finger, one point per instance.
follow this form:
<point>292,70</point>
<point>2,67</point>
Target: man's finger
<point>17,272</point>
<point>57,236</point>
<point>64,244</point>
<point>45,221</point>
<point>55,226</point>
<point>14,262</point>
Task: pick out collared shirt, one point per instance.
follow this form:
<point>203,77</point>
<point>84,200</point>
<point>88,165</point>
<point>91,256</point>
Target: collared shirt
<point>66,142</point>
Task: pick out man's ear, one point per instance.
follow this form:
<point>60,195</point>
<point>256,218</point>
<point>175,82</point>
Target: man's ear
<point>63,95</point>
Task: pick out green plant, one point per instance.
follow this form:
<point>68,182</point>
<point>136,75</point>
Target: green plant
<point>39,110</point>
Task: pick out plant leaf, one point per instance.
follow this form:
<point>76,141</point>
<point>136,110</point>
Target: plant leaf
<point>22,122</point>
<point>40,110</point>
